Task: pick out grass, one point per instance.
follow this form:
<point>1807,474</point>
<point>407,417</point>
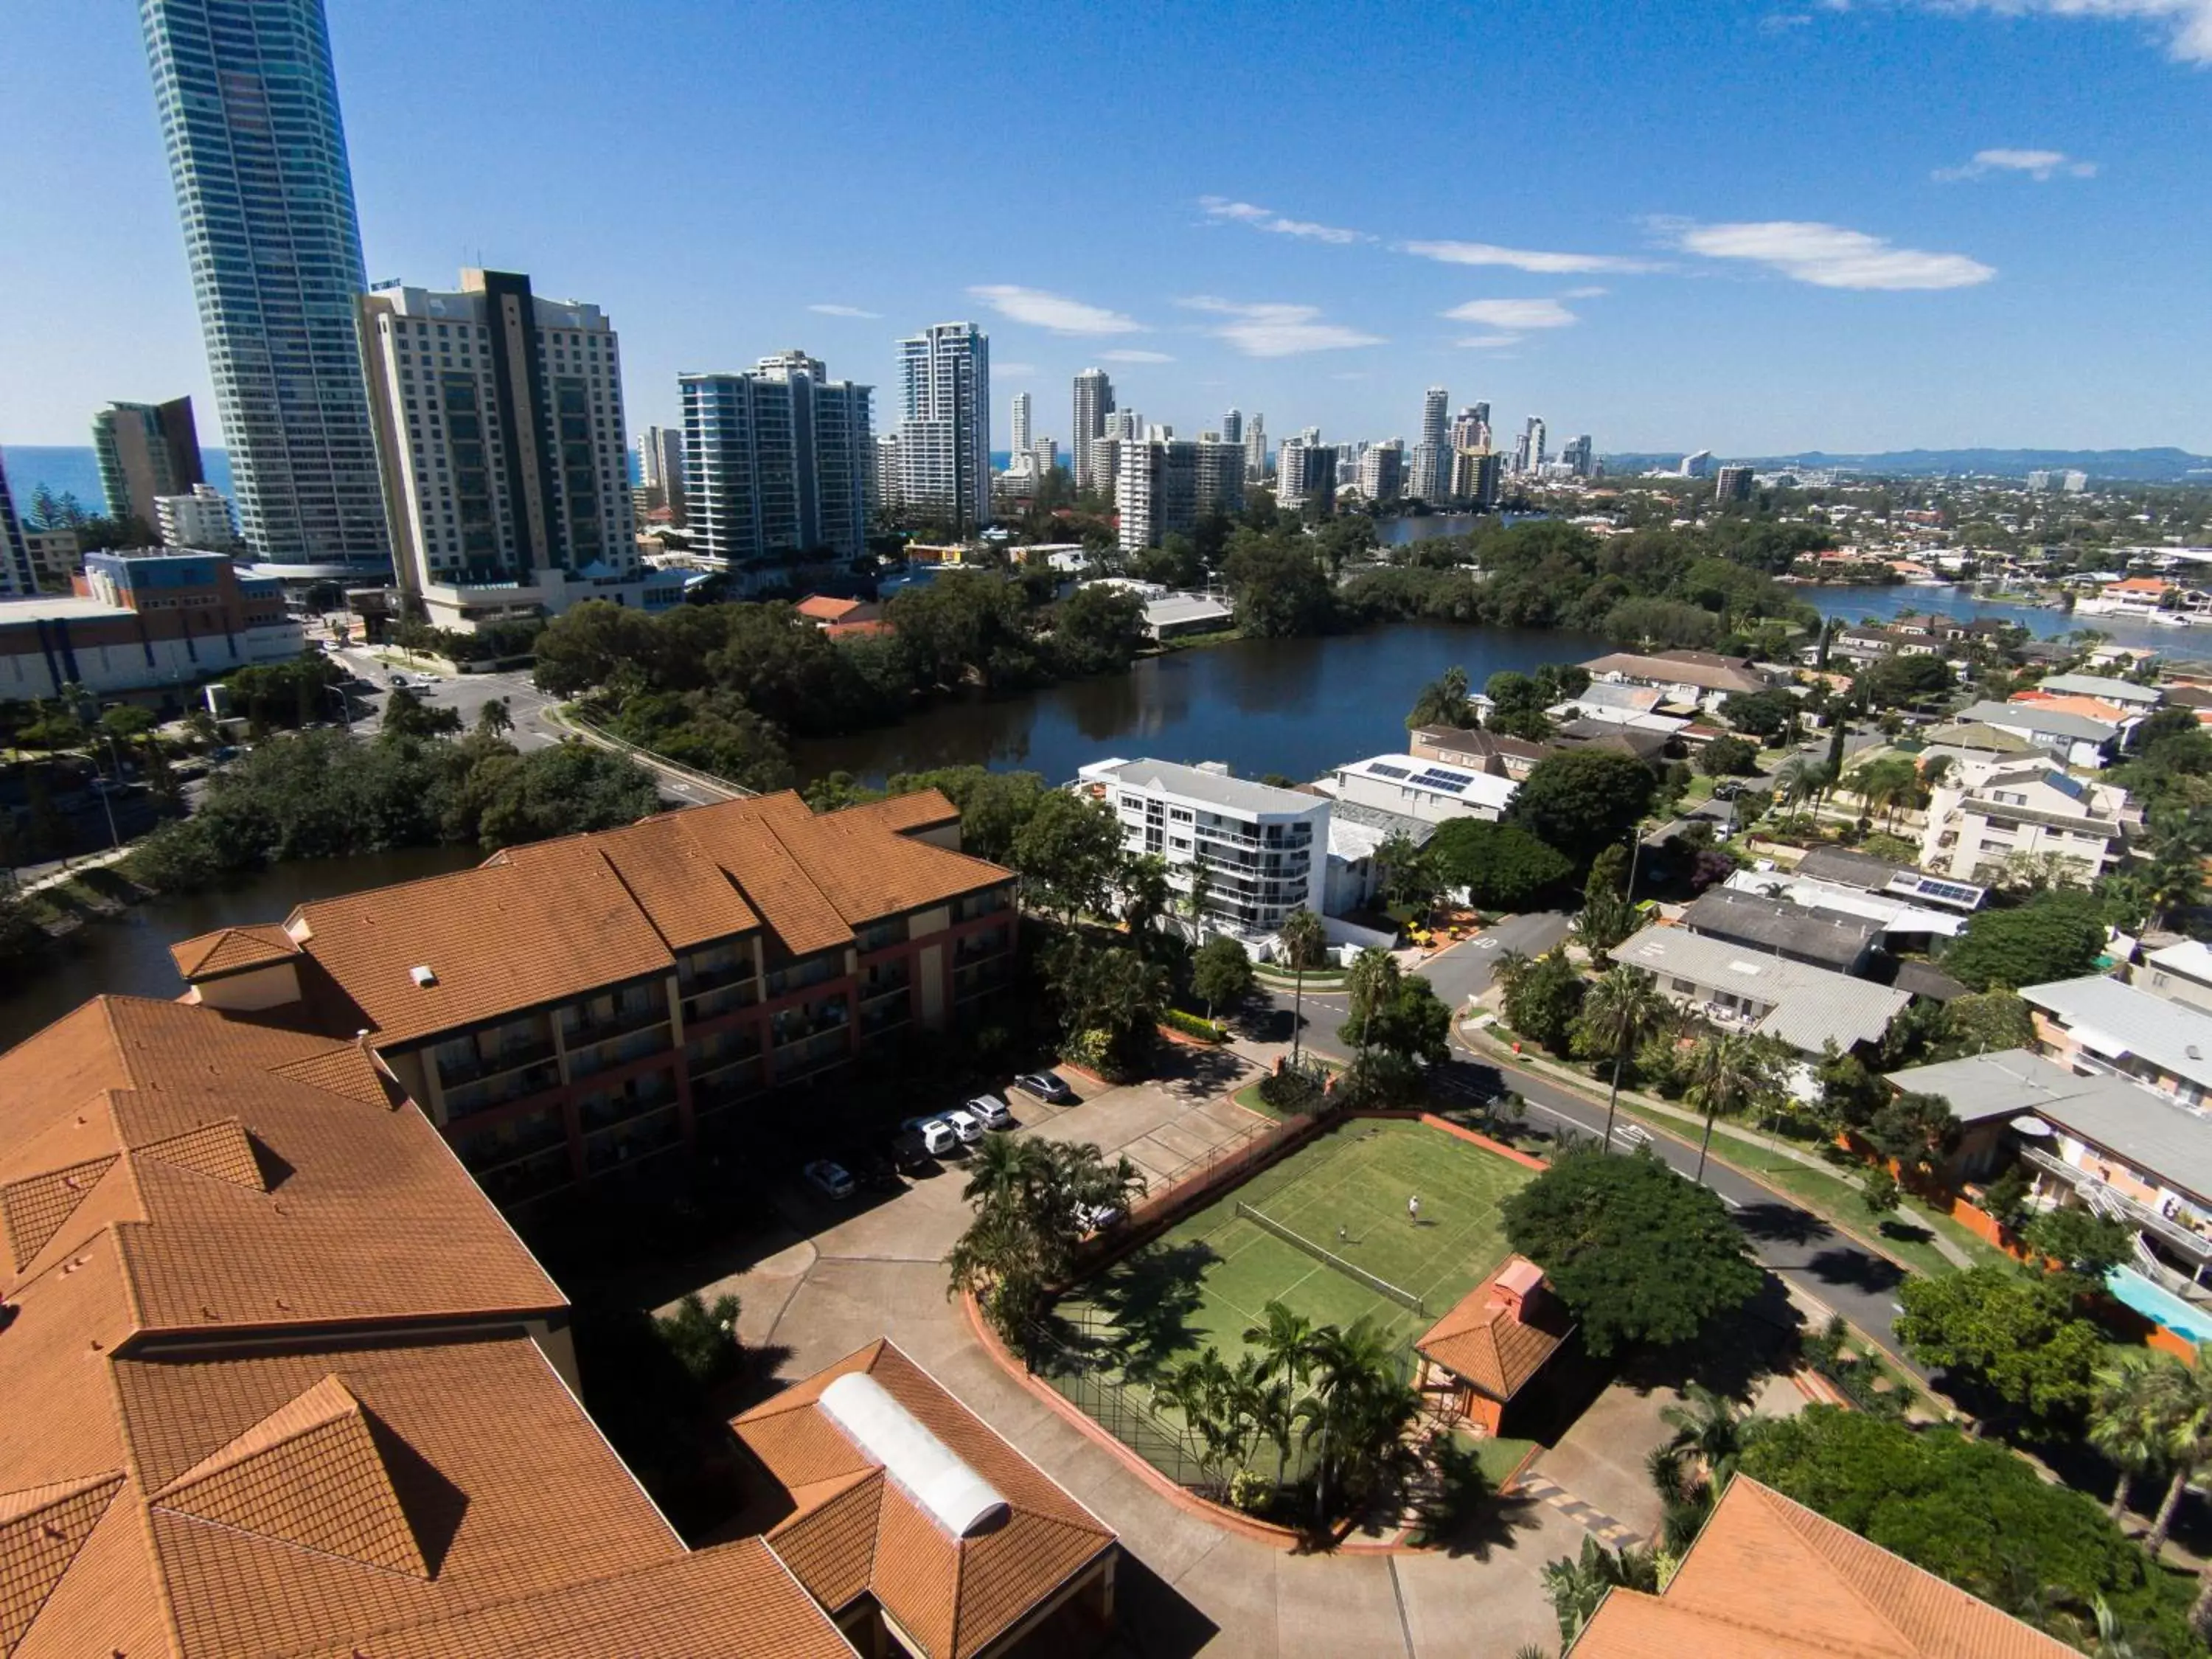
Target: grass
<point>1498,1455</point>
<point>1203,1282</point>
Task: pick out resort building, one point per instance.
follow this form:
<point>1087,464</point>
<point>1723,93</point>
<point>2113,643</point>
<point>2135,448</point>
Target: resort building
<point>1746,989</point>
<point>285,1383</point>
<point>571,1009</point>
<point>2095,1025</point>
<point>1264,851</point>
<point>2034,810</point>
<point>1431,791</point>
<point>916,1527</point>
<point>2179,973</point>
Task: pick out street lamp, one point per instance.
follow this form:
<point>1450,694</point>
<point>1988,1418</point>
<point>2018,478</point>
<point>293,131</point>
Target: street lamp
<point>345,705</point>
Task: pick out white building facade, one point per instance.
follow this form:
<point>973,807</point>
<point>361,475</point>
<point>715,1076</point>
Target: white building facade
<point>1264,851</point>
<point>945,425</point>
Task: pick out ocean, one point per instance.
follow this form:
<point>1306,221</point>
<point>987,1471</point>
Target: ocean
<point>74,470</point>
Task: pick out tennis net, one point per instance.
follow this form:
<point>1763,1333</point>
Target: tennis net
<point>1381,1286</point>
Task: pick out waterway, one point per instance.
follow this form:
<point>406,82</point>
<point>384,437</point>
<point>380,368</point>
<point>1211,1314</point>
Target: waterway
<point>128,955</point>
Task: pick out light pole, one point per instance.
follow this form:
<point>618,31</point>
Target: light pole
<point>345,705</point>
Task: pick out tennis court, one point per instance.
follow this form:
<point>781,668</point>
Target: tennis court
<point>1343,1197</point>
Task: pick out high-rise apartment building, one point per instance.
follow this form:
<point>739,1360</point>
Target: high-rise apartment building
<point>18,579</point>
<point>1475,477</point>
<point>1697,465</point>
<point>498,417</point>
<point>1382,472</point>
<point>1470,427</point>
<point>1305,474</point>
<point>1579,455</point>
<point>146,451</point>
<point>1256,449</point>
<point>1534,433</point>
<point>1165,485</point>
<point>1232,427</point>
<point>660,469</point>
<point>201,519</point>
<point>782,466</point>
<point>1732,483</point>
<point>944,426</point>
<point>1018,436</point>
<point>1094,402</point>
<point>249,109</point>
<point>1432,456</point>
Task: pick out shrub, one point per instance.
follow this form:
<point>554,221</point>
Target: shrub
<point>1194,1026</point>
<point>1298,1091</point>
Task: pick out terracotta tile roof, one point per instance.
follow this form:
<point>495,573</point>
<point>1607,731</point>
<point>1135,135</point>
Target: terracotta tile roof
<point>1486,1342</point>
<point>923,809</point>
<point>825,607</point>
<point>1770,1576</point>
<point>233,951</point>
<point>689,897</point>
<point>954,1595</point>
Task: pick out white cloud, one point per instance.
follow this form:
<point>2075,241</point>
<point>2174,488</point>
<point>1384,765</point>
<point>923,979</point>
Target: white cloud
<point>2037,164</point>
<point>1487,342</point>
<point>1260,218</point>
<point>1132,356</point>
<point>1519,258</point>
<point>2187,23</point>
<point>1511,314</point>
<point>1585,294</point>
<point>1056,312</point>
<point>1830,256</point>
<point>845,311</point>
<point>1273,329</point>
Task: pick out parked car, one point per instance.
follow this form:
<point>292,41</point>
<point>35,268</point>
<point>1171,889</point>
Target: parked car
<point>965,1124</point>
<point>398,679</point>
<point>909,1155</point>
<point>871,1168</point>
<point>992,1112</point>
<point>830,1180</point>
<point>937,1137</point>
<point>1048,1086</point>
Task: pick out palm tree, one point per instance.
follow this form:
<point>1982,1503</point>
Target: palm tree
<point>1626,1005</point>
<point>1725,1071</point>
<point>1357,1409</point>
<point>1373,980</point>
<point>1575,1587</point>
<point>1708,1426</point>
<point>2176,883</point>
<point>1284,1341</point>
<point>1443,702</point>
<point>2185,1445</point>
<point>1803,779</point>
<point>2130,1413</point>
<point>1302,942</point>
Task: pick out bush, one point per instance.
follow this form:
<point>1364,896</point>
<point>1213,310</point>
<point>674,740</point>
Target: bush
<point>703,1339</point>
<point>1297,1091</point>
<point>1194,1026</point>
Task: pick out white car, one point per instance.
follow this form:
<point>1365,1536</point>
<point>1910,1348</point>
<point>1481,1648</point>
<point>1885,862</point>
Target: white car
<point>1096,1217</point>
<point>938,1139</point>
<point>992,1112</point>
<point>965,1124</point>
<point>830,1179</point>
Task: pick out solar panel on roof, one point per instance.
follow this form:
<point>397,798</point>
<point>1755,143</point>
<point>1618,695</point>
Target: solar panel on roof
<point>1444,781</point>
<point>1381,771</point>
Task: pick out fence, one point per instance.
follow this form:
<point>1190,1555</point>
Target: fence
<point>1381,1286</point>
<point>1086,1381</point>
<point>1197,1178</point>
<point>607,739</point>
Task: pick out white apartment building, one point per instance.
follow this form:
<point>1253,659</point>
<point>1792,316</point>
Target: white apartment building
<point>498,421</point>
<point>201,519</point>
<point>1382,472</point>
<point>660,467</point>
<point>1432,455</point>
<point>1161,486</point>
<point>944,430</point>
<point>1094,402</point>
<point>1985,813</point>
<point>1256,449</point>
<point>2179,973</point>
<point>1431,791</point>
<point>1264,850</point>
<point>1305,474</point>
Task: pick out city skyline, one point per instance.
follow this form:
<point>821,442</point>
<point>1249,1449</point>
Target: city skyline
<point>1795,251</point>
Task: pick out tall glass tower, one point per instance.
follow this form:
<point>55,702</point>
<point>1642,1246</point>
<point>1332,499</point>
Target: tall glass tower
<point>249,111</point>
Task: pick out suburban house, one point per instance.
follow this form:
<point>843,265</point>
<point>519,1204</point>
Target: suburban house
<point>1871,641</point>
<point>1846,868</point>
<point>570,1009</point>
<point>2073,738</point>
<point>1740,988</point>
<point>1357,836</point>
<point>916,1527</point>
<point>2179,973</point>
<point>1479,750</point>
<point>1488,1349</point>
<point>284,1381</point>
<point>1768,1577</point>
<point>1694,678</point>
<point>2142,598</point>
<point>1649,747</point>
<point>2097,1025</point>
<point>2126,693</point>
<point>1900,924</point>
<point>1264,851</point>
<point>829,611</point>
<point>1431,791</point>
<point>1985,814</point>
<point>2098,1139</point>
<point>1839,943</point>
<point>1636,707</point>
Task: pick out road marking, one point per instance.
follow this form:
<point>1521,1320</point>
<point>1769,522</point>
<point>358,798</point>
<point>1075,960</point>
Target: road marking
<point>1733,1203</point>
<point>1485,943</point>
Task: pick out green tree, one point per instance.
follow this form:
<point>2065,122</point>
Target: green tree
<point>2083,1244</point>
<point>1068,853</point>
<point>1501,867</point>
<point>1443,702</point>
<point>1221,973</point>
<point>1583,801</point>
<point>1303,943</point>
<point>1637,1253</point>
<point>1110,996</point>
<point>1729,757</point>
<point>1355,1413</point>
<point>1280,587</point>
<point>1899,682</point>
<point>1878,1193</point>
<point>1030,1197</point>
<point>1518,703</point>
<point>494,718</point>
<point>1802,780</point>
<point>1988,1021</point>
<point>2013,1333</point>
<point>2052,936</point>
<point>703,1339</point>
<point>406,715</point>
<point>1098,631</point>
<point>1760,713</point>
<point>1576,1586</point>
<point>993,806</point>
<point>1727,1072</point>
<point>1542,999</point>
<point>1624,1006</point>
<point>1918,1130</point>
<point>2135,1403</point>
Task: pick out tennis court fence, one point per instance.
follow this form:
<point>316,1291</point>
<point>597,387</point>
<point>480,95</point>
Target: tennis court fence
<point>1089,1381</point>
<point>1328,1258</point>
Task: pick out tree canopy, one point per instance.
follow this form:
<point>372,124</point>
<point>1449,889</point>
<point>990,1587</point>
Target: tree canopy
<point>2011,1331</point>
<point>1579,801</point>
<point>2054,935</point>
<point>1502,867</point>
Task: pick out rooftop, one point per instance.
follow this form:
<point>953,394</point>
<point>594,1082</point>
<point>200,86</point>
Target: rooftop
<point>1702,669</point>
<point>2119,1022</point>
<point>1217,789</point>
<point>1498,1341</point>
<point>1891,915</point>
<point>2192,959</point>
<point>1475,741</point>
<point>1775,925</point>
<point>2103,687</point>
<point>1452,783</point>
<point>2036,718</point>
<point>1873,875</point>
<point>1810,1006</point>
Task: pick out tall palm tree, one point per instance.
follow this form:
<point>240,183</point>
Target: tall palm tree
<point>1357,1408</point>
<point>1303,943</point>
<point>1283,1345</point>
<point>1372,980</point>
<point>2131,1412</point>
<point>1626,1005</point>
<point>1708,1426</point>
<point>2184,1447</point>
<point>1726,1070</point>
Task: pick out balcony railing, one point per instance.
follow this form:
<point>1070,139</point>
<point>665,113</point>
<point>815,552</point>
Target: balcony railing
<point>798,975</point>
<point>512,1058</point>
<point>607,1052</point>
<point>581,1029</point>
<point>721,999</point>
<point>472,1099</point>
<point>824,1048</point>
<point>525,1137</point>
<point>2107,1199</point>
<point>713,979</point>
<point>634,1138</point>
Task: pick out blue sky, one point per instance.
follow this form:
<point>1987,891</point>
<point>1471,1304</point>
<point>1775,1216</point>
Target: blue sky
<point>1751,228</point>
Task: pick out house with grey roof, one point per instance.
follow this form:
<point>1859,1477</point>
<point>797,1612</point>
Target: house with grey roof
<point>2073,739</point>
<point>1839,943</point>
<point>1740,988</point>
<point>2179,973</point>
<point>2096,1024</point>
<point>2126,693</point>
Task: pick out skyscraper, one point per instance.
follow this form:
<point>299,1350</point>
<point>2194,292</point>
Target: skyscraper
<point>1019,436</point>
<point>1533,431</point>
<point>1232,427</point>
<point>1165,485</point>
<point>499,429</point>
<point>249,108</point>
<point>17,578</point>
<point>146,451</point>
<point>944,428</point>
<point>1733,483</point>
<point>1432,456</point>
<point>782,464</point>
<point>1256,449</point>
<point>1094,402</point>
<point>1474,477</point>
<point>1579,455</point>
<point>1382,472</point>
<point>660,467</point>
<point>1305,473</point>
<point>1470,427</point>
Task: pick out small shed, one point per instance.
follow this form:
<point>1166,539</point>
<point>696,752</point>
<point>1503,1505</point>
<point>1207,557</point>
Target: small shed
<point>1486,1351</point>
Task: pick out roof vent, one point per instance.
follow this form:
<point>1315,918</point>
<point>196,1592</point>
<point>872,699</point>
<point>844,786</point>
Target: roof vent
<point>422,975</point>
<point>931,1472</point>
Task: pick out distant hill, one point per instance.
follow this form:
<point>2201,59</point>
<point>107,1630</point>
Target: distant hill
<point>2120,465</point>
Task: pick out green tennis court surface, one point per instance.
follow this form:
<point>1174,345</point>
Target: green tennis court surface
<point>1203,1282</point>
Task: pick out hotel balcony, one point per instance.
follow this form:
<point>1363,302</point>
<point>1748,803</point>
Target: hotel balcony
<point>511,1057</point>
<point>610,1050</point>
<point>2106,1199</point>
<point>501,1088</point>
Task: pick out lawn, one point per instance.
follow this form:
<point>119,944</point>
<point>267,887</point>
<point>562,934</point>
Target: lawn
<point>1205,1281</point>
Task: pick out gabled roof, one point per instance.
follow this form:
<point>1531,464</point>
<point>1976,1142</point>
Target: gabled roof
<point>1808,1007</point>
<point>1485,1341</point>
<point>2118,1021</point>
<point>2036,718</point>
<point>233,951</point>
<point>1702,669</point>
<point>855,1527</point>
<point>1831,939</point>
<point>1768,1578</point>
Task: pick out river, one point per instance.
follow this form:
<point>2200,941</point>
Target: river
<point>129,955</point>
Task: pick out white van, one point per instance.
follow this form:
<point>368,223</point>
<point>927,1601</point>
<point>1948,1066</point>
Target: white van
<point>938,1139</point>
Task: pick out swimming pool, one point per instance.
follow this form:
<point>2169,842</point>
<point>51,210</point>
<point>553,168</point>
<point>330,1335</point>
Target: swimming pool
<point>2189,1323</point>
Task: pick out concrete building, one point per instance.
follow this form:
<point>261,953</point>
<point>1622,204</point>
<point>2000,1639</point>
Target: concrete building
<point>1232,427</point>
<point>1432,455</point>
<point>1840,943</point>
<point>1432,791</point>
<point>1476,478</point>
<point>945,424</point>
<point>570,1010</point>
<point>1470,427</point>
<point>1382,472</point>
<point>18,577</point>
<point>146,451</point>
<point>2179,973</point>
<point>201,519</point>
<point>1256,449</point>
<point>498,417</point>
<point>1979,815</point>
<point>1698,464</point>
<point>660,469</point>
<point>1164,486</point>
<point>1732,483</point>
<point>781,465</point>
<point>2095,1025</point>
<point>1580,456</point>
<point>1018,426</point>
<point>1305,476</point>
<point>1739,987</point>
<point>55,556</point>
<point>249,110</point>
<point>2073,739</point>
<point>1094,402</point>
<point>145,620</point>
<point>1264,850</point>
<point>1531,452</point>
